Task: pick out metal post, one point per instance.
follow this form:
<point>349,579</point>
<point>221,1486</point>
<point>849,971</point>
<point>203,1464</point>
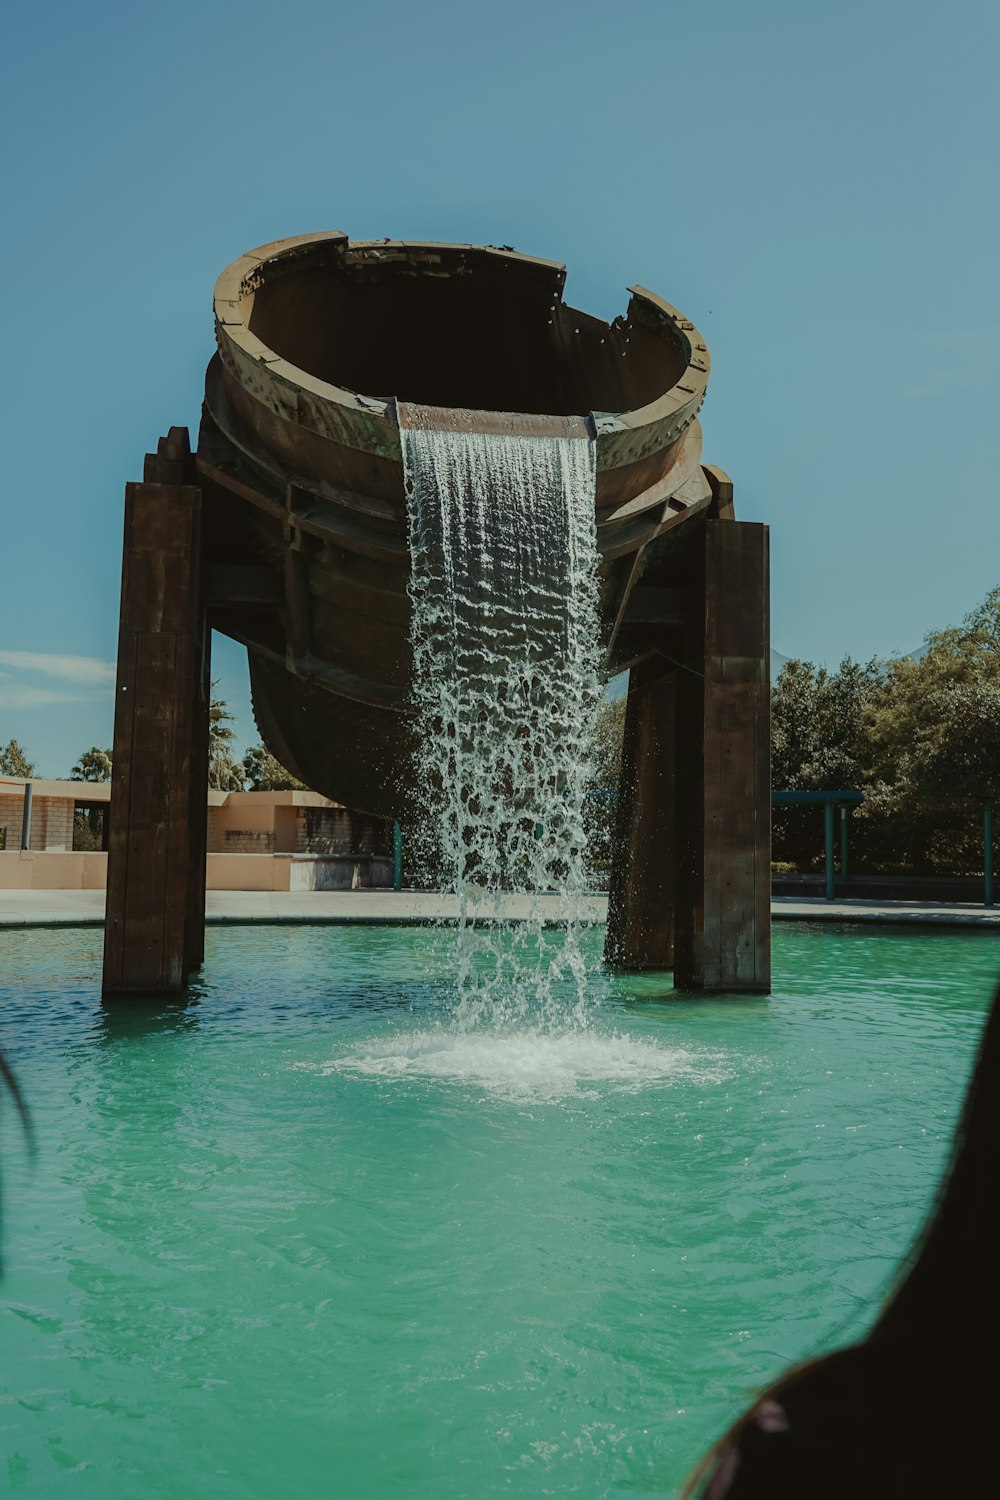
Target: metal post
<point>828,848</point>
<point>987,854</point>
<point>26,818</point>
<point>843,840</point>
<point>397,857</point>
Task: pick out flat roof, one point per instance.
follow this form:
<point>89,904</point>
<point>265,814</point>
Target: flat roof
<point>100,791</point>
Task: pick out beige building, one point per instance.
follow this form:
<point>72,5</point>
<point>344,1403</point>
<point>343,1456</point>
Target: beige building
<point>257,841</point>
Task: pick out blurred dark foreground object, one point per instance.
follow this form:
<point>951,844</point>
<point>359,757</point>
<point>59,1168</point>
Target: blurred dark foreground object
<point>911,1410</point>
<point>9,1082</point>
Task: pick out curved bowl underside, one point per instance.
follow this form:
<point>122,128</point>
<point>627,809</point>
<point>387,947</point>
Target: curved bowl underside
<point>319,341</point>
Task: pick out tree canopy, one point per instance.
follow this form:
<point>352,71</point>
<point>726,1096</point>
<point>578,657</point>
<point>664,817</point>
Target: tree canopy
<point>14,761</point>
<point>94,765</point>
<point>920,736</point>
<point>265,773</point>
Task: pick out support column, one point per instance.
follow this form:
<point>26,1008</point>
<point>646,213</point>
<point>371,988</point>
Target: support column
<point>194,938</point>
<point>159,806</point>
<point>397,857</point>
<point>987,854</point>
<point>845,813</point>
<point>26,817</point>
<point>640,932</point>
<point>723,926</point>
<point>829,871</point>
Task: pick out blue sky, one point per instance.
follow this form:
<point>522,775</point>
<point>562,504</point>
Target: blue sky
<point>815,185</point>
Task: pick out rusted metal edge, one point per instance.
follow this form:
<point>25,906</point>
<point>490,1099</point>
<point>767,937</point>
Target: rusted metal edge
<point>722,492</point>
<point>622,437</point>
<point>261,459</point>
<point>414,416</point>
<point>682,465</point>
<point>639,534</point>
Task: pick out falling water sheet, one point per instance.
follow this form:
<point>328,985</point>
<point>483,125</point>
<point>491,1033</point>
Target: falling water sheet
<point>505,644</point>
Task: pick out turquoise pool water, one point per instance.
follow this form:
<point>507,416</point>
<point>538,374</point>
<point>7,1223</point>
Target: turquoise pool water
<point>299,1238</point>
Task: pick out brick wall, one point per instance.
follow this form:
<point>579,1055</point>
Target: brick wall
<point>247,841</point>
<point>323,830</point>
<point>51,821</point>
<point>337,830</point>
<point>11,812</point>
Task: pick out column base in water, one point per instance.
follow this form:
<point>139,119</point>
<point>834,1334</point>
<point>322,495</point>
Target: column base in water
<point>154,926</point>
<point>723,791</point>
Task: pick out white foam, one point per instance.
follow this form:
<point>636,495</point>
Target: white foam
<point>530,1065</point>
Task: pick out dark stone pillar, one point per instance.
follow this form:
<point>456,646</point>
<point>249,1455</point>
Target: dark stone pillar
<point>156,852</point>
<point>640,933</point>
<point>723,928</point>
<point>194,939</point>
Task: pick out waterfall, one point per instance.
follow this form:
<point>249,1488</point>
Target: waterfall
<point>505,643</point>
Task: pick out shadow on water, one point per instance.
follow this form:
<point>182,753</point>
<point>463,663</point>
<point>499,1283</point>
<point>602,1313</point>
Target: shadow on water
<point>837,970</point>
<point>651,992</point>
<point>139,1017</point>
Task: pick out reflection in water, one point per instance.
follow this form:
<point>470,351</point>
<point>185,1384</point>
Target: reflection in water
<point>137,1018</point>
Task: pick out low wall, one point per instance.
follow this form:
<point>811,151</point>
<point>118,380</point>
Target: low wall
<point>22,870</point>
<point>246,872</point>
<point>338,872</point>
<point>26,870</point>
<point>864,887</point>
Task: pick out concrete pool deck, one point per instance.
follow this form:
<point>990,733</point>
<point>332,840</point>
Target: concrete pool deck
<point>36,908</point>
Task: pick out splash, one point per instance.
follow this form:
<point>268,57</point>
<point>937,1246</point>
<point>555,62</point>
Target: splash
<point>524,1065</point>
<point>505,642</point>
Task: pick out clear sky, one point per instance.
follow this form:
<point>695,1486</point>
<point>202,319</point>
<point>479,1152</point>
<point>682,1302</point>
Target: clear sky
<point>814,184</point>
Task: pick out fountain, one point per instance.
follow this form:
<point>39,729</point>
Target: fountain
<point>506,652</point>
<point>344,370</point>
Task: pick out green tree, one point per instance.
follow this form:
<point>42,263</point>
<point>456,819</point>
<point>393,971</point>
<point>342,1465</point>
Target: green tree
<point>820,741</point>
<point>224,775</point>
<point>88,828</point>
<point>263,772</point>
<point>936,728</point>
<point>14,762</point>
<point>94,765</point>
<point>962,759</point>
<point>920,737</point>
<point>819,724</point>
<point>935,738</point>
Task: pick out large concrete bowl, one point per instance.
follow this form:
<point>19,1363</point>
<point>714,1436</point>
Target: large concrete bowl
<point>299,453</point>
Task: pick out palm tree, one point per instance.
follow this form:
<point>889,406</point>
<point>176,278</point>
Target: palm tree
<point>223,772</point>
